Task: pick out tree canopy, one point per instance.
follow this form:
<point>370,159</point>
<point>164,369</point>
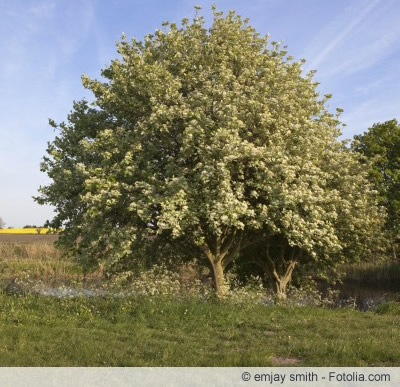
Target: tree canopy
<point>209,138</point>
<point>380,145</point>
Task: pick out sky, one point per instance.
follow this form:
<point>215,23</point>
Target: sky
<point>46,46</point>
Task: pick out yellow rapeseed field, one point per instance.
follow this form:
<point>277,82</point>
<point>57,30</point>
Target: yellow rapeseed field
<point>40,230</point>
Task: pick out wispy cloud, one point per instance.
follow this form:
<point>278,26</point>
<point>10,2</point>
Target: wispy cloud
<point>369,87</point>
<point>43,9</point>
<point>79,19</point>
<point>370,111</point>
<point>340,37</point>
<point>359,38</point>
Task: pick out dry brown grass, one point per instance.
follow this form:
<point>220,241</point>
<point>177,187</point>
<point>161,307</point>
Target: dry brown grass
<point>38,251</point>
<point>37,259</point>
<point>27,238</point>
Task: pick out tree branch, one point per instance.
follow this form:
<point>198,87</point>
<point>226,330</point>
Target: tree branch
<point>234,251</point>
<point>228,244</point>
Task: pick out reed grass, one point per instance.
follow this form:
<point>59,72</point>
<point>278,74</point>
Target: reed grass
<point>383,275</point>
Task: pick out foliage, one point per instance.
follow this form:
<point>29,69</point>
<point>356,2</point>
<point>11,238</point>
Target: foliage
<point>161,281</point>
<point>2,223</point>
<point>380,146</point>
<point>392,307</point>
<point>206,139</point>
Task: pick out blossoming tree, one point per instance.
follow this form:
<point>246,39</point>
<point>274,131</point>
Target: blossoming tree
<point>208,138</point>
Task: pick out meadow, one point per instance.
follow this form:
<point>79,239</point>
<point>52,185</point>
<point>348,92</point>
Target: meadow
<point>49,331</point>
<point>175,328</point>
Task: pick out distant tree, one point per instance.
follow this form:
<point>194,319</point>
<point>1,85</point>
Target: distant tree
<point>209,139</point>
<point>380,146</point>
<point>29,226</point>
<point>2,223</point>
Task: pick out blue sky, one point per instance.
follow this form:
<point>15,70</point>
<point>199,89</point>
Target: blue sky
<point>46,45</point>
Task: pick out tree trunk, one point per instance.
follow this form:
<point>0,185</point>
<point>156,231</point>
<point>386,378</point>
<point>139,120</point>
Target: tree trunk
<point>220,252</point>
<point>394,250</point>
<point>219,281</point>
<point>280,263</point>
<point>280,284</point>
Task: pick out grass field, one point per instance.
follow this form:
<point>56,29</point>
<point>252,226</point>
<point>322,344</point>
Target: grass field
<point>40,331</point>
<point>153,331</point>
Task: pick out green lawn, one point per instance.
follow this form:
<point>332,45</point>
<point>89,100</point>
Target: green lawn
<point>46,331</point>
